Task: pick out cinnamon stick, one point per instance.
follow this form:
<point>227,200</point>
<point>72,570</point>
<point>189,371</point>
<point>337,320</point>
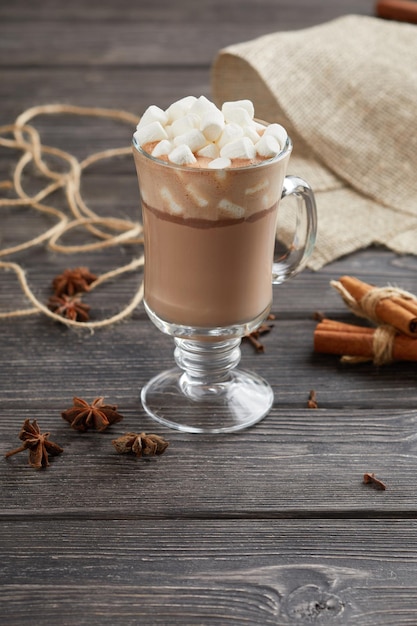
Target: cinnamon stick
<point>389,305</point>
<point>333,325</point>
<point>358,341</point>
<point>399,10</point>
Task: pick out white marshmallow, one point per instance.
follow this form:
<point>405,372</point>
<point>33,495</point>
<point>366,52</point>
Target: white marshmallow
<point>229,134</point>
<point>260,128</point>
<point>265,201</point>
<point>201,106</point>
<point>210,151</point>
<point>249,191</point>
<point>172,205</point>
<point>219,164</point>
<point>220,175</point>
<point>182,155</point>
<point>241,148</point>
<point>231,209</point>
<point>196,197</point>
<point>184,124</point>
<point>212,124</point>
<point>238,115</point>
<point>162,148</point>
<point>152,114</point>
<point>268,146</point>
<point>242,104</point>
<point>277,131</point>
<point>179,108</point>
<point>251,132</point>
<point>151,132</point>
<point>194,139</point>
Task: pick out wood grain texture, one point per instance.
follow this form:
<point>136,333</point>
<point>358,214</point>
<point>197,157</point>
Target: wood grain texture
<point>130,89</point>
<point>238,572</point>
<point>296,463</point>
<point>191,38</point>
<point>184,13</point>
<point>269,526</point>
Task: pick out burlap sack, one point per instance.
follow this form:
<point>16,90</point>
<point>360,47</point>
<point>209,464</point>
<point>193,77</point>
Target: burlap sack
<point>346,91</point>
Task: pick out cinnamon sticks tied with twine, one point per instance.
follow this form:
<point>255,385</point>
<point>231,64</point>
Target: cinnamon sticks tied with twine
<point>393,310</point>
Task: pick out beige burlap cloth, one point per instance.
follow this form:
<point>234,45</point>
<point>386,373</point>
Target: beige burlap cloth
<point>346,91</point>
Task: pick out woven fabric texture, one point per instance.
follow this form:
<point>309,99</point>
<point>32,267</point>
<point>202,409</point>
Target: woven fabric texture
<point>346,91</point>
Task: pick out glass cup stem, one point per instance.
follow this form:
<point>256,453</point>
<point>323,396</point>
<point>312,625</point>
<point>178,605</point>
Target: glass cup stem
<point>211,394</point>
<point>207,366</point>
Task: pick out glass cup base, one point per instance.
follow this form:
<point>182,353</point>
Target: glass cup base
<point>232,405</point>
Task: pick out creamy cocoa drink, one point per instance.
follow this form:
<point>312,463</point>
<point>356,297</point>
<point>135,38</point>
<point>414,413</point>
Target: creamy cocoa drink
<point>210,183</point>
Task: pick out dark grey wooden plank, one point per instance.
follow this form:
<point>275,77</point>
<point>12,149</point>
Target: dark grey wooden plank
<point>295,463</point>
<point>214,12</point>
<point>150,35</point>
<point>128,353</point>
<point>209,572</point>
<point>131,89</point>
<point>119,43</point>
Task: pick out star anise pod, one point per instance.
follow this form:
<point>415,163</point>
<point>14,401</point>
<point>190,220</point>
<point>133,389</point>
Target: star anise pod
<point>70,307</point>
<point>37,443</point>
<point>83,416</point>
<point>140,444</point>
<point>73,281</point>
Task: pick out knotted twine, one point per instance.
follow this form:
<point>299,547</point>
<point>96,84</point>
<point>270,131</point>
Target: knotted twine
<point>27,139</point>
<point>384,335</point>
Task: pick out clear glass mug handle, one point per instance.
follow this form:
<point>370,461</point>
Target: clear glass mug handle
<point>302,245</point>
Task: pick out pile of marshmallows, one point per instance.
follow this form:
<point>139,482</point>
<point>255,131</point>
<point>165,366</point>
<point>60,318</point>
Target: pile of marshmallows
<point>194,127</point>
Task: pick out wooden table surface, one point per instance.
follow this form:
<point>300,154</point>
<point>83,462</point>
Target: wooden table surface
<point>269,526</point>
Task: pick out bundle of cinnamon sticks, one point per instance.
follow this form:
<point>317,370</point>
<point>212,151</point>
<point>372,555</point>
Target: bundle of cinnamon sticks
<point>393,339</point>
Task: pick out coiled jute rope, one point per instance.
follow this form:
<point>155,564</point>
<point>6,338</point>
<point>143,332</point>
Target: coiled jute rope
<point>108,231</point>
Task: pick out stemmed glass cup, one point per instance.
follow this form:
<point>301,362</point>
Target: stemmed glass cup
<point>209,239</point>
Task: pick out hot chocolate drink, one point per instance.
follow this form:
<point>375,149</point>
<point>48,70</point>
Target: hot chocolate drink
<point>208,275</point>
<point>210,184</point>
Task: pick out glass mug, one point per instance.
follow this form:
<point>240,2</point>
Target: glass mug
<point>209,238</point>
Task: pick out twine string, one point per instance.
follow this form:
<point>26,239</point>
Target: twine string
<point>382,347</point>
<point>108,231</point>
<point>384,335</point>
<point>366,306</point>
